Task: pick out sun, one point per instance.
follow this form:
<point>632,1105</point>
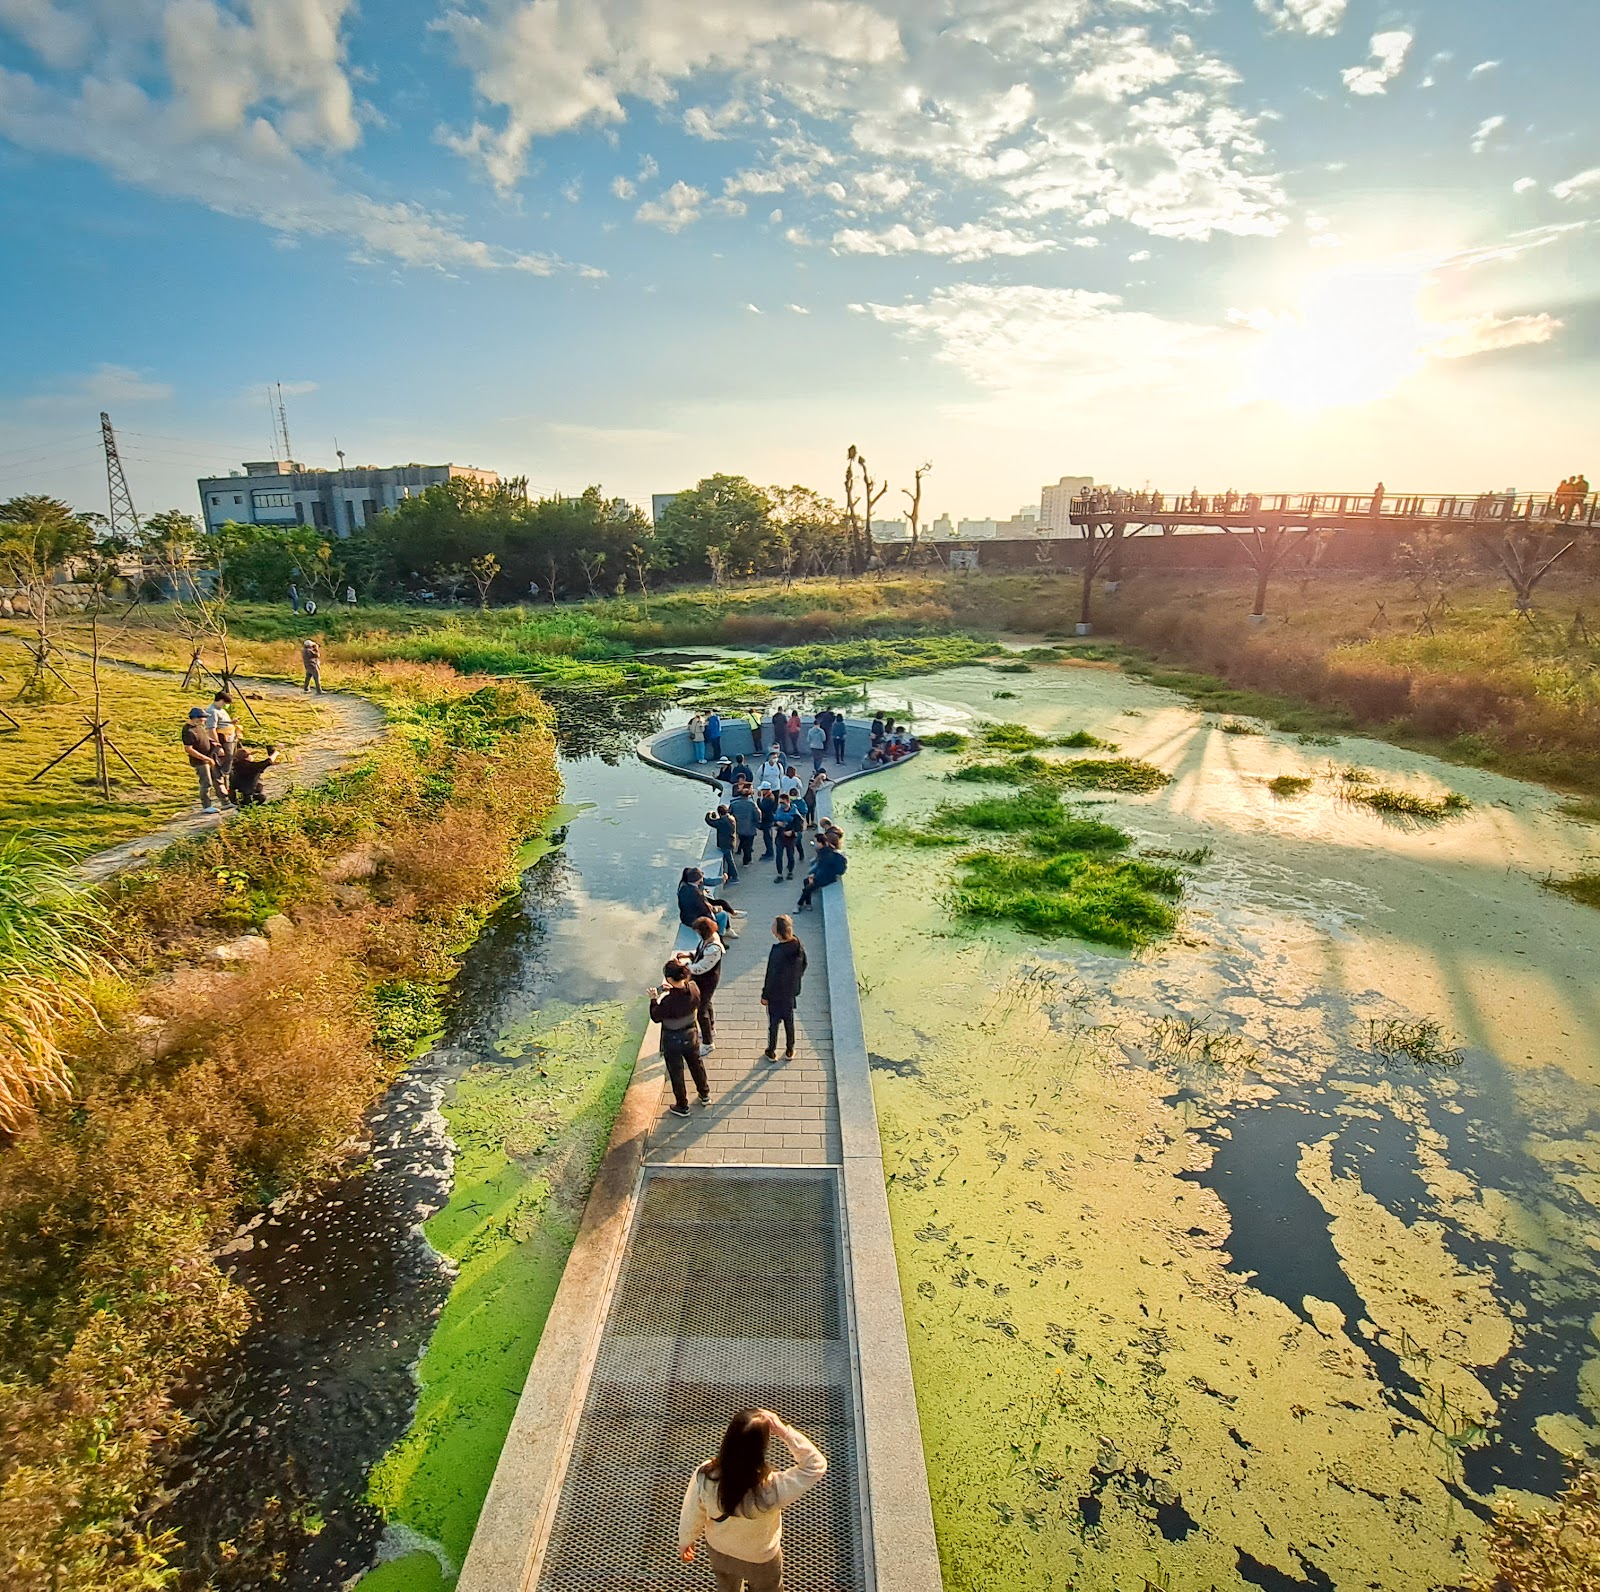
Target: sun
<point>1357,337</point>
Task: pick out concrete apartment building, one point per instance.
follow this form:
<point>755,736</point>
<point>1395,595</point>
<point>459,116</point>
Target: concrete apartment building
<point>280,492</point>
<point>1055,503</point>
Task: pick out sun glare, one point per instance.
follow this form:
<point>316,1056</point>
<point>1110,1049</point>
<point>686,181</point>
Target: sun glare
<point>1357,336</point>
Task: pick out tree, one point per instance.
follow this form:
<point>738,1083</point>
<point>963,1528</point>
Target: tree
<point>40,540</point>
<point>1525,561</point>
<point>811,534</point>
<point>913,497</point>
<point>725,515</point>
<point>870,498</point>
<point>1266,547</point>
<point>852,519</point>
<point>263,561</point>
<point>484,569</point>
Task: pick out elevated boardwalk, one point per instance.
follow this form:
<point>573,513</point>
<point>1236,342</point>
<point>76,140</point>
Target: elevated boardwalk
<point>742,1256</point>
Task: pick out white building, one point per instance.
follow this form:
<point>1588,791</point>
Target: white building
<point>1055,503</point>
<point>280,492</point>
<point>977,530</point>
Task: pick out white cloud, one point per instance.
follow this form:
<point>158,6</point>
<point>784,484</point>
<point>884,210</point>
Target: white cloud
<point>1042,342</point>
<point>185,99</point>
<point>1139,256</point>
<point>674,210</point>
<point>1580,186</point>
<point>969,241</point>
<point>1487,128</point>
<point>1482,67</point>
<point>648,169</point>
<point>988,112</point>
<point>1524,184</point>
<point>572,190</point>
<point>797,309</point>
<point>622,188</point>
<point>1486,334</point>
<point>551,65</point>
<point>1320,18</point>
<point>1384,64</point>
<point>755,309</point>
<point>105,386</point>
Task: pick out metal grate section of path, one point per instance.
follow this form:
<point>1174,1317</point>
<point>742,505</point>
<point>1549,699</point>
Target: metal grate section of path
<point>732,1295</point>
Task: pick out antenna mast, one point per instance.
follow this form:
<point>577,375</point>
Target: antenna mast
<point>283,423</point>
<point>124,517</point>
<point>272,421</point>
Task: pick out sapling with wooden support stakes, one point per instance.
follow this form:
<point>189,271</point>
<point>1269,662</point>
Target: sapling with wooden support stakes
<point>1526,563</point>
<point>41,538</point>
<point>102,569</point>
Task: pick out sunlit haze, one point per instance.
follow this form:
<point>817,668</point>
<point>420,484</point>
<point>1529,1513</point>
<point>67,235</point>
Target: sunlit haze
<point>1294,244</point>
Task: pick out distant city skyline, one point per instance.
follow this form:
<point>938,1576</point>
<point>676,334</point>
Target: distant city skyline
<point>1295,244</point>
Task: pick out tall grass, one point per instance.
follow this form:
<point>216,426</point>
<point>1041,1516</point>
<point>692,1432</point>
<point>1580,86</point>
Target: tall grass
<point>219,1090</point>
<point>48,963</point>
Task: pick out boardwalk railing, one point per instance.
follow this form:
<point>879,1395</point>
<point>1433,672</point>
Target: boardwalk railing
<point>1352,508</point>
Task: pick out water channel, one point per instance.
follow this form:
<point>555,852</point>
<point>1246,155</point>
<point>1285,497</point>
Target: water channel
<point>1251,1306</point>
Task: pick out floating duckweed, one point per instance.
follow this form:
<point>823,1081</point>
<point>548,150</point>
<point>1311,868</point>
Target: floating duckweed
<point>1287,786</point>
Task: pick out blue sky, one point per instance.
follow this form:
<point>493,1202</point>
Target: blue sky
<point>1260,243</point>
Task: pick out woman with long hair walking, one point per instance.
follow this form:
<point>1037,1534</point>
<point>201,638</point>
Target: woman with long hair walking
<point>736,1502</point>
<point>786,966</point>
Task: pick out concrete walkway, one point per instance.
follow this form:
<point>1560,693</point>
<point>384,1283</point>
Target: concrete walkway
<point>740,1256</point>
<point>762,1113</point>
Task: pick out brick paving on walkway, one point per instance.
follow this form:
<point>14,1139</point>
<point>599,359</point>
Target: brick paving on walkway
<point>761,1113</point>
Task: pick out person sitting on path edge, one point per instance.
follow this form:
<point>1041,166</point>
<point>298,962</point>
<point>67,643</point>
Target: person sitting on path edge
<point>828,865</point>
<point>786,966</point>
<point>736,1502</point>
<point>694,903</point>
<point>676,1007</point>
<point>704,963</point>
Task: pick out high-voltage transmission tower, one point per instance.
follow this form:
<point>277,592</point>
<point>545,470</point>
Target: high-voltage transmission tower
<point>124,517</point>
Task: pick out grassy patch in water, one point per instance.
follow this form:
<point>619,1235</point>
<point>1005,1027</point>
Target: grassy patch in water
<point>843,663</point>
<point>1405,803</point>
<point>1421,1040</point>
<point>529,1135</point>
<point>1017,667</point>
<point>1287,786</point>
<point>945,740</point>
<point>1082,773</point>
<point>871,805</point>
<point>1581,887</point>
<point>1240,727</point>
<point>1117,901</point>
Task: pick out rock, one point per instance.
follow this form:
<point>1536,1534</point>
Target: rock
<point>361,863</point>
<point>278,927</point>
<point>247,948</point>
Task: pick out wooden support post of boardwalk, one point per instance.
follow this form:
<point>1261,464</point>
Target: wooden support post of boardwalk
<point>742,1256</point>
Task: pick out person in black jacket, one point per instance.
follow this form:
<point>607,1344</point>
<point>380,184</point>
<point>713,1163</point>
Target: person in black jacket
<point>786,966</point>
<point>746,815</point>
<point>727,832</point>
<point>675,1005</point>
<point>694,903</point>
<point>829,865</point>
<point>767,806</point>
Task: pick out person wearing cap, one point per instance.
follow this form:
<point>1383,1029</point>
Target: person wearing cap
<point>201,746</point>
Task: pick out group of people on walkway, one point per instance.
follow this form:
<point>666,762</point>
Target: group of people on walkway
<point>227,771</point>
<point>789,734</point>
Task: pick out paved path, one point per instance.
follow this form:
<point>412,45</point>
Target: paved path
<point>761,1113</point>
<point>355,724</point>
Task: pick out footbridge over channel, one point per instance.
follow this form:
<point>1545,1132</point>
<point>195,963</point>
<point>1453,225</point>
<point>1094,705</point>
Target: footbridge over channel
<point>740,1257</point>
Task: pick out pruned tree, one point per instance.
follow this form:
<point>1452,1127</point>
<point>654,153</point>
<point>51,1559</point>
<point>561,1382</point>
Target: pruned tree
<point>592,563</point>
<point>639,555</point>
<point>852,519</point>
<point>913,496</point>
<point>871,496</point>
<point>453,578</point>
<point>484,569</point>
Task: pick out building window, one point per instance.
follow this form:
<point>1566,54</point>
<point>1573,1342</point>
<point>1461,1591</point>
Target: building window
<point>369,510</point>
<point>300,513</point>
<point>319,513</point>
<point>215,501</point>
<point>237,498</point>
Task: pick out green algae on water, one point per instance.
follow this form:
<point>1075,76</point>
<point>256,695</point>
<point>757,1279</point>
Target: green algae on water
<point>529,1133</point>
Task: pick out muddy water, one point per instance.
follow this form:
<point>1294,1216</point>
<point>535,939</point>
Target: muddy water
<point>1199,1287</point>
<point>346,1289</point>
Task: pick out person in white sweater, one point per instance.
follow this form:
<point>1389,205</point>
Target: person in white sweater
<point>736,1502</point>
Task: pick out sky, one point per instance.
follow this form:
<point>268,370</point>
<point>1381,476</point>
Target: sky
<point>1261,244</point>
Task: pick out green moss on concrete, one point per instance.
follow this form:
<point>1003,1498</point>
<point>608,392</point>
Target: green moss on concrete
<point>529,1134</point>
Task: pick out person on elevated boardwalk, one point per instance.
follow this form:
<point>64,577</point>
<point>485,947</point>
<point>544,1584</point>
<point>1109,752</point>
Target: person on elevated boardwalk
<point>675,1005</point>
<point>786,966</point>
<point>736,1502</point>
<point>827,866</point>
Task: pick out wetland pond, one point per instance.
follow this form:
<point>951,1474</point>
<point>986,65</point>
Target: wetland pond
<point>1207,1284</point>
